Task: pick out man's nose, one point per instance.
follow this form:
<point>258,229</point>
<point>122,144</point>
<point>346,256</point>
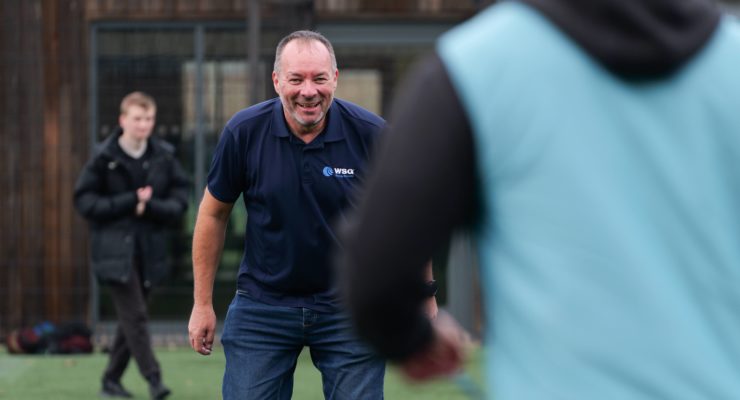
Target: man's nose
<point>308,89</point>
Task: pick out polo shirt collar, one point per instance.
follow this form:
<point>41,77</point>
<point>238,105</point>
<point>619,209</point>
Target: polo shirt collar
<point>332,131</point>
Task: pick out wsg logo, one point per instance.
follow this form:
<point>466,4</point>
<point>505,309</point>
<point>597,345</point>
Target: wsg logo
<point>338,172</point>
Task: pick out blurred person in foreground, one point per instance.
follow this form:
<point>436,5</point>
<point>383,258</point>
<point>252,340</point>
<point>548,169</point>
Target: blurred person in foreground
<point>130,190</point>
<point>296,160</point>
<point>594,149</point>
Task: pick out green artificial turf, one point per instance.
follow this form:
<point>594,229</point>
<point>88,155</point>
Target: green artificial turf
<point>189,375</point>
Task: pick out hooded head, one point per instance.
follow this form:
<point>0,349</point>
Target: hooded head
<point>635,38</point>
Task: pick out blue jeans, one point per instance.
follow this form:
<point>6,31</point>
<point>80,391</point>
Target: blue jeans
<point>262,343</point>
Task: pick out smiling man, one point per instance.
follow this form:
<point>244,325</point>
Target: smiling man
<point>296,160</point>
<point>305,105</point>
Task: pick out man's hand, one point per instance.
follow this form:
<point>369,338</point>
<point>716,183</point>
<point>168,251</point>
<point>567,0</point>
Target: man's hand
<point>430,307</point>
<point>202,328</point>
<point>444,356</point>
<point>208,241</point>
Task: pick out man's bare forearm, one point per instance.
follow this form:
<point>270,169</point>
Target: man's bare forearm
<point>208,243</point>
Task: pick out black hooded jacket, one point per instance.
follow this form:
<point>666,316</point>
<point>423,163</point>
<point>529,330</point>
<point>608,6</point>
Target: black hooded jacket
<point>634,39</point>
<point>105,194</point>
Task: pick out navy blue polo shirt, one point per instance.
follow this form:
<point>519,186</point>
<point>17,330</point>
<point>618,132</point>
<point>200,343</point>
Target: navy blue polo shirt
<point>294,193</point>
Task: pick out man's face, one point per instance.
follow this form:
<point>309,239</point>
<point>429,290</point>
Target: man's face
<point>137,122</point>
<point>306,83</point>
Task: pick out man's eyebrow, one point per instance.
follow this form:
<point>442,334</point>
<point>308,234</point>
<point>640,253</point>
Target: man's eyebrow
<point>293,73</point>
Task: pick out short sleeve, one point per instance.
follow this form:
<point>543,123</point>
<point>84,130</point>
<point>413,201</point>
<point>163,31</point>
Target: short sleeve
<point>227,176</point>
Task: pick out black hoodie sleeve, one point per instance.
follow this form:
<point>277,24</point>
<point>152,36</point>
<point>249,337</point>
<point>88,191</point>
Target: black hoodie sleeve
<point>635,39</point>
<point>420,188</point>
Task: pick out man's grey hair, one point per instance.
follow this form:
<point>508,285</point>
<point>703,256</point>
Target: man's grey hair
<point>305,36</point>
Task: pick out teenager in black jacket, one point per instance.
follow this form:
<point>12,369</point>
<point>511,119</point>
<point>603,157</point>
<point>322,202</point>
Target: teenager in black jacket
<point>129,191</point>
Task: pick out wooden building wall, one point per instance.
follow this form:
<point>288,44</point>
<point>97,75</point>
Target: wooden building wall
<point>43,143</point>
<point>279,9</point>
<point>164,9</point>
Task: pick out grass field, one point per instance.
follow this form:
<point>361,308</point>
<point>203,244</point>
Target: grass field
<point>189,375</point>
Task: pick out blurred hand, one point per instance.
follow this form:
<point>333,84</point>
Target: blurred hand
<point>202,328</point>
<point>144,194</point>
<point>430,307</point>
<point>444,356</point>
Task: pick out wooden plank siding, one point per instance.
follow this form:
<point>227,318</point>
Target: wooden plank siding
<point>43,81</point>
<point>165,9</point>
<point>236,9</point>
<point>397,8</point>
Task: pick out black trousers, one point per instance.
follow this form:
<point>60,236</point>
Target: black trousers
<point>132,334</point>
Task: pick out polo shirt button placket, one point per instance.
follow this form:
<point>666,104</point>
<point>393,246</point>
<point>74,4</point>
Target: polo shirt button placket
<point>307,173</point>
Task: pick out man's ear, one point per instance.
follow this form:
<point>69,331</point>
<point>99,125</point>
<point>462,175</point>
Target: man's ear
<point>275,81</point>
